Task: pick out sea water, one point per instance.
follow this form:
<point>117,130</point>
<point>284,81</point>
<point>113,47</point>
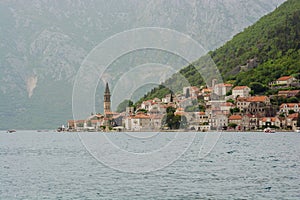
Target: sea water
<point>49,165</point>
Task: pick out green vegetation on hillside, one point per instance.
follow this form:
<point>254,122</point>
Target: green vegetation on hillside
<point>262,53</point>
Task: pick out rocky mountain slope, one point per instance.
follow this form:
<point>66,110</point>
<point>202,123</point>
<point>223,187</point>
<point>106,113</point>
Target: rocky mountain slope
<point>43,42</point>
<point>262,53</point>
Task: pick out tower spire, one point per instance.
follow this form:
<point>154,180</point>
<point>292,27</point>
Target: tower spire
<point>107,88</point>
<point>107,100</point>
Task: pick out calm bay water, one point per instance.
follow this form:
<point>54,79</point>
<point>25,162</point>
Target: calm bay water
<point>37,165</point>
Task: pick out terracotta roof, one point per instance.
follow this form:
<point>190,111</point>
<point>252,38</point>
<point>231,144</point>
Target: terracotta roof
<point>224,85</point>
<point>179,113</point>
<point>201,113</point>
<point>164,106</point>
<point>269,119</point>
<point>242,99</point>
<point>235,117</point>
<point>257,99</point>
<point>240,87</point>
<point>284,78</point>
<point>111,113</point>
<point>293,116</point>
<point>95,121</point>
<point>291,92</point>
<point>156,116</point>
<point>206,90</point>
<point>141,116</point>
<point>226,104</point>
<point>80,121</point>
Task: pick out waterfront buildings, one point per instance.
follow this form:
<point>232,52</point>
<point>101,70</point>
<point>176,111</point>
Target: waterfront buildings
<point>241,111</point>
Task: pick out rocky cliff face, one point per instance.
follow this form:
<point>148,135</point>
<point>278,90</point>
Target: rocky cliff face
<point>42,44</point>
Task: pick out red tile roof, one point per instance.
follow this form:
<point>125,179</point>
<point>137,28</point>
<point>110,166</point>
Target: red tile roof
<point>141,116</point>
<point>235,117</point>
<point>268,119</point>
<point>257,99</point>
<point>294,92</point>
<point>95,121</point>
<point>206,90</point>
<point>179,113</point>
<point>224,85</point>
<point>284,78</point>
<point>240,87</point>
<point>226,104</point>
<point>293,116</point>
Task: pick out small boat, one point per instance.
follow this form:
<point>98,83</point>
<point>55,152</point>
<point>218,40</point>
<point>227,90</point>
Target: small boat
<point>11,131</point>
<point>297,130</point>
<point>269,130</point>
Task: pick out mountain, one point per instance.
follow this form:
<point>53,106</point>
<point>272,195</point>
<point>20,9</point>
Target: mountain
<point>43,43</point>
<point>262,53</point>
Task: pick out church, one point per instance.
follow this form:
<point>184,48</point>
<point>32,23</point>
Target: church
<point>98,122</point>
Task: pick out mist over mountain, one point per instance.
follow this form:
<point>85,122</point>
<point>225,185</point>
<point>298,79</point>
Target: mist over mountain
<point>43,43</point>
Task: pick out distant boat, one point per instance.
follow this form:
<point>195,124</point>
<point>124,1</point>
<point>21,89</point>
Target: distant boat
<point>61,129</point>
<point>297,130</point>
<point>269,130</point>
<point>11,131</point>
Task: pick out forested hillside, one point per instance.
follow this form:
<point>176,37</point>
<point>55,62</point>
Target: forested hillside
<point>261,53</point>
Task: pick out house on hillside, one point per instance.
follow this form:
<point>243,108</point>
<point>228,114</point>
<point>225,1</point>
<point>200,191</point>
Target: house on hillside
<point>222,88</point>
<point>235,119</point>
<point>143,122</point>
<point>260,105</point>
<point>291,121</point>
<point>289,93</point>
<point>241,91</point>
<point>270,122</point>
<point>218,121</point>
<point>138,122</point>
<point>253,121</point>
<point>191,91</point>
<point>225,107</point>
<point>285,81</point>
<point>200,122</point>
<point>286,107</point>
<point>147,105</point>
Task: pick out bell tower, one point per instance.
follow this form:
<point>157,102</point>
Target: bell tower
<point>106,100</point>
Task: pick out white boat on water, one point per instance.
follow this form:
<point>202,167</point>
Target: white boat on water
<point>269,130</point>
<point>297,130</point>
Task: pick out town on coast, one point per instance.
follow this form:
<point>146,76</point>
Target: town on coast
<point>218,107</point>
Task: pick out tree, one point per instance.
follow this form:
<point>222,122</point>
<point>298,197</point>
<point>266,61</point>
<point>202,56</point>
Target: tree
<point>232,125</point>
<point>122,106</point>
<point>292,100</point>
<point>142,110</point>
<point>230,101</point>
<point>191,108</point>
<point>234,110</point>
<point>174,121</point>
<point>229,93</point>
<point>258,88</point>
<point>291,112</point>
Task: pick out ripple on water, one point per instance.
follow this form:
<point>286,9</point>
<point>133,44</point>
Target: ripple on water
<point>56,166</point>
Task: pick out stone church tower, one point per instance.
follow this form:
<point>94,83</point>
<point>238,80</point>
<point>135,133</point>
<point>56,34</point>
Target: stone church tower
<point>107,100</point>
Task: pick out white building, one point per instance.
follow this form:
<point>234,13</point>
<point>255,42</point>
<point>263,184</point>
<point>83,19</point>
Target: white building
<point>221,89</point>
<point>286,107</point>
<point>241,91</point>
